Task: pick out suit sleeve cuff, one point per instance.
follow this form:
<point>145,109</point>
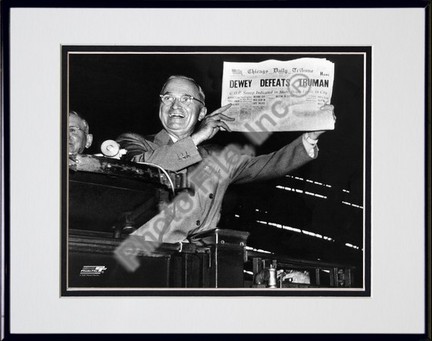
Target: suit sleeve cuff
<point>310,145</point>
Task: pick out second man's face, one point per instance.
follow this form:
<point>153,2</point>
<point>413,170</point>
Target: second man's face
<point>78,138</point>
<point>178,118</point>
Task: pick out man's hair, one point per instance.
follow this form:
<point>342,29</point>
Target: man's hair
<point>86,126</point>
<point>200,90</point>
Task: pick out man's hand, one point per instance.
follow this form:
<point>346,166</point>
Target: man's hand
<point>315,134</point>
<point>73,161</point>
<point>211,124</point>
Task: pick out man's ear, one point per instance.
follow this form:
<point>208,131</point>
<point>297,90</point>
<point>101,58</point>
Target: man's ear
<point>89,140</point>
<point>202,113</point>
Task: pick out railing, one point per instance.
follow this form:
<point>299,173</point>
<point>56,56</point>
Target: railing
<point>296,273</point>
<point>217,260</point>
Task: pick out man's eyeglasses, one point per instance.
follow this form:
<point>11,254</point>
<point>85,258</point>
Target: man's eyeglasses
<point>75,130</point>
<point>169,99</point>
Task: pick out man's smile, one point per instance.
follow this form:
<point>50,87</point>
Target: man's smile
<point>176,115</point>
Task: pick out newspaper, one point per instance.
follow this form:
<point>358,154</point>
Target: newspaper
<point>278,95</point>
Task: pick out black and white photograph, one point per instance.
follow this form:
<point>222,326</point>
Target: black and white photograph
<point>206,171</point>
<point>204,167</point>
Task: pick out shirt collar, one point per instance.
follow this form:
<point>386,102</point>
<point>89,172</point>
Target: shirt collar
<point>165,138</point>
<point>173,137</point>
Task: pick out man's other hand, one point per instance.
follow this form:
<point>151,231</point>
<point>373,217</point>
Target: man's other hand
<point>211,124</point>
<point>315,134</point>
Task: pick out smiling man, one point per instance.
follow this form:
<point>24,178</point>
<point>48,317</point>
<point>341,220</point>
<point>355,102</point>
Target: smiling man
<point>210,170</point>
<point>181,108</point>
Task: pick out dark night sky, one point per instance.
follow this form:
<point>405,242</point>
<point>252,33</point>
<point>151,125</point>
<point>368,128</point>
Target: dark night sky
<point>117,93</point>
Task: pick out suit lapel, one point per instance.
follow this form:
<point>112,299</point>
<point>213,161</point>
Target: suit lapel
<point>162,138</point>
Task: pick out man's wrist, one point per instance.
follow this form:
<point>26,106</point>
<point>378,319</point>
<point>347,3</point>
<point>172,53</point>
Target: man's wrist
<point>309,138</point>
<point>195,138</point>
<point>310,145</point>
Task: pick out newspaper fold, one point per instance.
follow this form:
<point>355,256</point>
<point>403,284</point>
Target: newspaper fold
<point>278,95</point>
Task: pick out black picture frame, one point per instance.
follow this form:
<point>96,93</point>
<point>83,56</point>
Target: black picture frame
<point>7,6</point>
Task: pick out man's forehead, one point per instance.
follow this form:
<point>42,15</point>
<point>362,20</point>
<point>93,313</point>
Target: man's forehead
<point>182,86</point>
<point>76,121</point>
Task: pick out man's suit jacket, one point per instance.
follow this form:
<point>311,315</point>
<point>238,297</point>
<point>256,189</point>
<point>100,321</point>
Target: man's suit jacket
<point>210,170</point>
